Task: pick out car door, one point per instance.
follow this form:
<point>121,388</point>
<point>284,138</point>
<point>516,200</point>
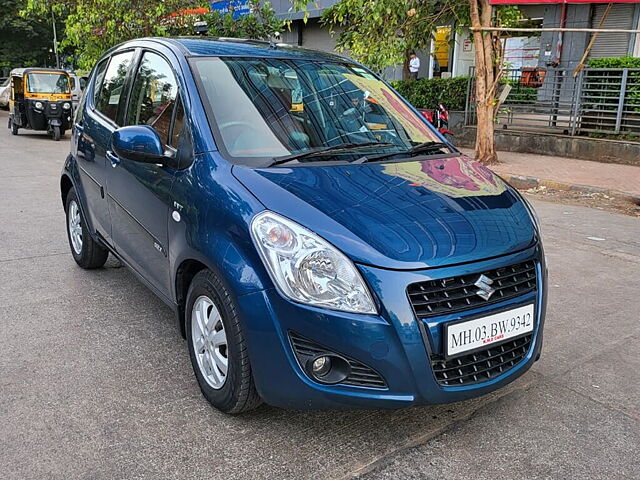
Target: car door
<point>139,193</point>
<point>95,122</point>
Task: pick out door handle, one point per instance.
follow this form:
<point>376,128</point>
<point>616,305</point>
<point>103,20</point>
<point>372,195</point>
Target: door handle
<point>113,158</point>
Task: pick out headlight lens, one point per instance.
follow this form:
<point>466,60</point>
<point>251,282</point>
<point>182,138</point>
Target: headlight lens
<point>308,269</point>
<point>38,105</point>
<point>66,106</point>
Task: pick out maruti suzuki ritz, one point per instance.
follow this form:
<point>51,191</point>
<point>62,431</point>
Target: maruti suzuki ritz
<point>321,244</point>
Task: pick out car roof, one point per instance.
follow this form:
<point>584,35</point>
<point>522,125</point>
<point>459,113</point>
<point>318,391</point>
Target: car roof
<point>241,47</point>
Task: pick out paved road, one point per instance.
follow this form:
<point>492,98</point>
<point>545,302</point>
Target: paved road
<point>95,381</point>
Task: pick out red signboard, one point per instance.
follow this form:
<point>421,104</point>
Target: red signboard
<point>520,2</point>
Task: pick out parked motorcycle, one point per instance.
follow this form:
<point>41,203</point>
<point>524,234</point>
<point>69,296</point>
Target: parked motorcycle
<point>439,118</point>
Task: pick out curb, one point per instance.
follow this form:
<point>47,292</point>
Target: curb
<point>522,182</point>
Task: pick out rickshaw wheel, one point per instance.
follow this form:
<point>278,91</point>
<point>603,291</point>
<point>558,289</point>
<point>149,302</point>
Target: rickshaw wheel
<point>14,127</point>
<point>56,133</point>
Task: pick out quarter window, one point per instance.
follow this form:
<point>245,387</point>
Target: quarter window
<point>177,124</point>
<point>154,97</point>
<point>99,77</point>
<point>113,85</point>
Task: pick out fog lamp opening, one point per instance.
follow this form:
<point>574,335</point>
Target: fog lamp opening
<point>328,368</point>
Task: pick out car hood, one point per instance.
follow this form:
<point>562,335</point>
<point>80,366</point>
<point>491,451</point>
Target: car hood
<point>406,215</point>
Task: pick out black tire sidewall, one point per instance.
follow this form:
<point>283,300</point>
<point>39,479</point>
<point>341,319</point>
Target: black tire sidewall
<point>208,284</point>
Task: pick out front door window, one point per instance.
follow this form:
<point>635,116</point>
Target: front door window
<point>154,96</point>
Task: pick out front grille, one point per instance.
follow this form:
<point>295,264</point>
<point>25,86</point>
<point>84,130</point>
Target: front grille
<point>456,294</point>
<point>480,366</point>
<point>361,375</point>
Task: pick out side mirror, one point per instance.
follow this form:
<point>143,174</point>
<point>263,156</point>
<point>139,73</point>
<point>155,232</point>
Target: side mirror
<point>139,143</point>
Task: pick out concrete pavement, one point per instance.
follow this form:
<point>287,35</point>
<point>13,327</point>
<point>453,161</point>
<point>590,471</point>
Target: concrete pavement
<point>550,170</point>
<point>95,381</point>
<point>579,416</point>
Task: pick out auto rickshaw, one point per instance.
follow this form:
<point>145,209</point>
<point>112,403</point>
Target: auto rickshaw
<point>40,99</point>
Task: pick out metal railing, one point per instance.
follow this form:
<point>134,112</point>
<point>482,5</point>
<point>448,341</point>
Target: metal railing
<point>602,101</point>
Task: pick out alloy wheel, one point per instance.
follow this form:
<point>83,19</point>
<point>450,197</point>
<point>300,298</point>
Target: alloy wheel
<point>209,341</point>
<point>75,227</point>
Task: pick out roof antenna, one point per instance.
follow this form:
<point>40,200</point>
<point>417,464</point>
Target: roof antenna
<point>201,27</point>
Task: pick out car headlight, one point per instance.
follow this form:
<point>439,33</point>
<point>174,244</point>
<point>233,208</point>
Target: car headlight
<point>66,106</point>
<point>308,269</point>
<point>38,105</point>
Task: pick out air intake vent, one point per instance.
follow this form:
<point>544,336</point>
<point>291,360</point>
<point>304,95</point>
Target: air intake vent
<point>480,366</point>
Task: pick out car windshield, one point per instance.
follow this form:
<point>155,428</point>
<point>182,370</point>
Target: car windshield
<point>267,108</point>
<point>48,83</point>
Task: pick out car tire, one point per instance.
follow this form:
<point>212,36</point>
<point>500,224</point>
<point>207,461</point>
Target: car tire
<point>87,253</point>
<point>216,340</point>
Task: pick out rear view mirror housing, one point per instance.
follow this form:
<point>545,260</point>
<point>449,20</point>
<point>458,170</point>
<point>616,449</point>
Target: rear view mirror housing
<point>138,143</point>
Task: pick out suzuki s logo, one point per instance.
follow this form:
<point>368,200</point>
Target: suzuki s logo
<point>485,289</point>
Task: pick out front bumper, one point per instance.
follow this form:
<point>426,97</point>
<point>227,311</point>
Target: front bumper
<point>394,343</point>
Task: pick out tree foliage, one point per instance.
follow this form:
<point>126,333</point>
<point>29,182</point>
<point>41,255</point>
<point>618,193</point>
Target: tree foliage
<point>380,33</point>
<point>93,26</point>
<point>261,24</point>
<point>24,42</point>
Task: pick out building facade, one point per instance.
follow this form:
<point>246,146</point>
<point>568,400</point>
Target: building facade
<point>454,50</point>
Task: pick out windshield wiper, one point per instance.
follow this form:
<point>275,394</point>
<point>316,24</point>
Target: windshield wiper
<point>420,148</point>
<point>428,146</point>
<point>332,148</point>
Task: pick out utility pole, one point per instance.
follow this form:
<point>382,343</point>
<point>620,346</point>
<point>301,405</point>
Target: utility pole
<point>55,39</point>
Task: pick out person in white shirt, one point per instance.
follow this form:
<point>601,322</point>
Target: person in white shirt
<point>414,65</point>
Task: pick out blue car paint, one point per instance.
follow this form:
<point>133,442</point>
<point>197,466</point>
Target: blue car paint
<point>396,221</point>
<point>136,140</point>
<point>395,215</point>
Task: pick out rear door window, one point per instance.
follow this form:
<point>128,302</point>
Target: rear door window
<point>113,85</point>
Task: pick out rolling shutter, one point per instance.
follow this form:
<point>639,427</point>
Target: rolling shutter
<point>612,44</point>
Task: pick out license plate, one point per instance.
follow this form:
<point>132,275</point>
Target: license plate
<point>481,332</point>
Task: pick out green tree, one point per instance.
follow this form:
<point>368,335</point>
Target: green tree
<point>93,26</point>
<point>489,59</point>
<point>261,24</point>
<point>24,42</point>
<point>381,33</point>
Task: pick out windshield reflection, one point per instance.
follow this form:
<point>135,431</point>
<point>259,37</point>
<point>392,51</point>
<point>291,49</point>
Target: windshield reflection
<point>266,108</point>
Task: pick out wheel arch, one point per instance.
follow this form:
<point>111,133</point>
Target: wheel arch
<point>65,186</point>
<point>185,272</point>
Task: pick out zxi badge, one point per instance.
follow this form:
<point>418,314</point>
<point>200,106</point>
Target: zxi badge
<point>484,285</point>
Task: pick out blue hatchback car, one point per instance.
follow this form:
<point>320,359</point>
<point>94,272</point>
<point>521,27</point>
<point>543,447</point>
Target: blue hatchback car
<point>321,244</point>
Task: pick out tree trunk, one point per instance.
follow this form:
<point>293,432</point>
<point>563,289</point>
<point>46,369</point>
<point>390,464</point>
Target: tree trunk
<point>406,75</point>
<point>488,72</point>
